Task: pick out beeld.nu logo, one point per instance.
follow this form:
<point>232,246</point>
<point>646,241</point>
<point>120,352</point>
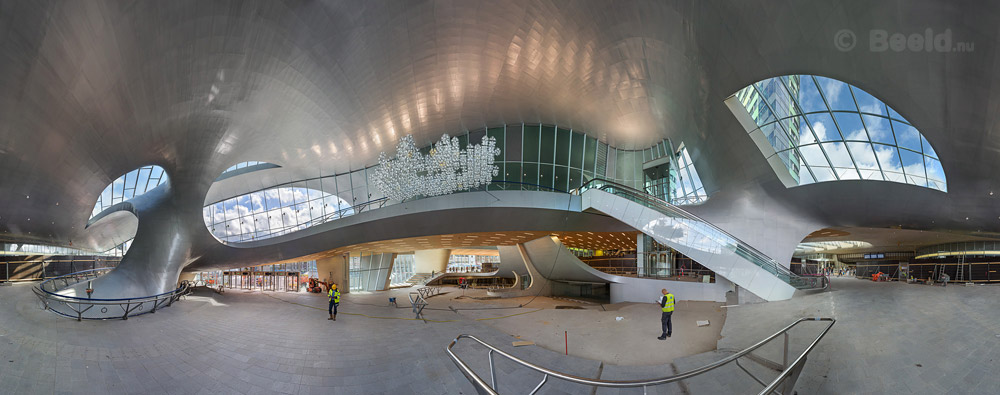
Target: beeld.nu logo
<point>845,40</point>
<point>881,41</point>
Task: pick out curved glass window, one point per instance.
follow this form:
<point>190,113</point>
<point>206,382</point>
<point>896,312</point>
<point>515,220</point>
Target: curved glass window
<point>243,165</point>
<point>816,129</point>
<point>37,249</point>
<point>128,186</point>
<point>272,212</point>
<point>821,246</point>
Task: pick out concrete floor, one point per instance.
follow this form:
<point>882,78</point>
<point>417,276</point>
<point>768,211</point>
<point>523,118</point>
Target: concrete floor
<point>889,337</point>
<point>916,340</point>
<point>594,333</point>
<point>248,342</point>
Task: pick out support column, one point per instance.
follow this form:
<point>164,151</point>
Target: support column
<point>641,260</point>
<point>426,261</point>
<point>334,269</point>
<point>186,276</point>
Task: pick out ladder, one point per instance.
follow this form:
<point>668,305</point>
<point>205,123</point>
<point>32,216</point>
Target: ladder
<point>960,272</point>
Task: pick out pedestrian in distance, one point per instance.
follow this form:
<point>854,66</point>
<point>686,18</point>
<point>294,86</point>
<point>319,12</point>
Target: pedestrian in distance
<point>666,303</point>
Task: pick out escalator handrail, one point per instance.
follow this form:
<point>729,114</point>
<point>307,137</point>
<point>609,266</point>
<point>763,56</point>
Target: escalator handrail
<point>683,213</point>
<point>673,209</point>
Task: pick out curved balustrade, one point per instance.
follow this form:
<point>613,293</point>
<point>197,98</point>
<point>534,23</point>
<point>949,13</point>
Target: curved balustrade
<point>786,379</point>
<point>495,185</point>
<point>710,231</point>
<point>84,308</point>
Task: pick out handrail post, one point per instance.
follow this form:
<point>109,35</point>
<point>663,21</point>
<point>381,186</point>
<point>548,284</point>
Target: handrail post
<point>784,362</point>
<point>493,372</point>
<point>789,386</point>
<point>544,379</point>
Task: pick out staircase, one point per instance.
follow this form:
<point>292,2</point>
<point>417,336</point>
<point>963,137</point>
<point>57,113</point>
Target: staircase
<point>698,239</point>
<point>418,278</point>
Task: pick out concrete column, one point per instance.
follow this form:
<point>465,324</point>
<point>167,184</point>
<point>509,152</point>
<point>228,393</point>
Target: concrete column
<point>425,261</point>
<point>641,260</point>
<point>539,285</point>
<point>334,269</point>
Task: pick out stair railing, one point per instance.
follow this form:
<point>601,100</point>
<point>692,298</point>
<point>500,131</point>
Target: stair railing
<point>785,380</point>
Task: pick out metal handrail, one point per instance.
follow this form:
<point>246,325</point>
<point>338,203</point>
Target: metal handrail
<point>355,209</point>
<point>790,371</point>
<point>634,272</point>
<point>128,305</point>
<point>360,207</point>
<point>86,274</point>
<point>741,248</point>
<point>426,292</point>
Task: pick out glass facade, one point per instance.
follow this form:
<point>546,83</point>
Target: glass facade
<point>686,187</point>
<point>35,249</point>
<point>822,129</point>
<point>366,269</point>
<point>354,273</point>
<point>532,157</point>
<point>402,270</point>
<point>273,212</point>
<point>472,263</point>
<point>128,186</point>
<point>820,246</point>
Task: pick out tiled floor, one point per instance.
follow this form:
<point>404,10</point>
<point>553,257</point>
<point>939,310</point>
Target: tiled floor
<point>253,343</point>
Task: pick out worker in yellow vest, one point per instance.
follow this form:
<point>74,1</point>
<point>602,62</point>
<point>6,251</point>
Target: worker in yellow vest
<point>334,301</point>
<point>666,303</point>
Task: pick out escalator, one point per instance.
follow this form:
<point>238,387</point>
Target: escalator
<point>694,237</point>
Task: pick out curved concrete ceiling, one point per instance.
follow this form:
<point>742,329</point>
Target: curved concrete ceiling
<point>90,90</point>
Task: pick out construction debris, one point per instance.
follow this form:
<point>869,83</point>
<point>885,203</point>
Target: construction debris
<point>522,343</point>
<point>703,323</point>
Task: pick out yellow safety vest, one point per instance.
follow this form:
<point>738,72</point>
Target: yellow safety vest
<point>335,295</point>
<point>669,306</point>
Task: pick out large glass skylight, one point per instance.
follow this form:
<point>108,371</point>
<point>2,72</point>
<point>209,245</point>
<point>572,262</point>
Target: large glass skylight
<point>816,129</point>
<point>128,186</point>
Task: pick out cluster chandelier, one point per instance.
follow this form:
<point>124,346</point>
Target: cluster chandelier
<point>446,169</point>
